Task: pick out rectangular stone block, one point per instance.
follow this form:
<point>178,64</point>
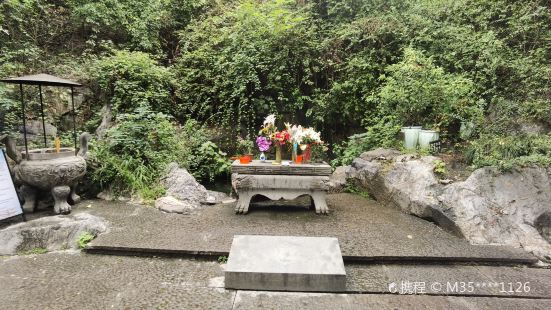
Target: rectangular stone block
<point>285,263</point>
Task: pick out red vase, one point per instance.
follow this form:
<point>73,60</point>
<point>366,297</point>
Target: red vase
<point>306,155</point>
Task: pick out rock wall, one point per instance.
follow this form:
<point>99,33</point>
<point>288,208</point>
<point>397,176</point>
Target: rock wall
<point>489,207</point>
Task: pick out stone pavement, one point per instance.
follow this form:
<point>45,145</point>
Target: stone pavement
<point>387,255</point>
<point>366,231</point>
<point>75,280</point>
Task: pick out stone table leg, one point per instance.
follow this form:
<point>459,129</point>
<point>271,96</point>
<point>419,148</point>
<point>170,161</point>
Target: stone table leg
<point>60,194</point>
<point>243,202</point>
<point>320,203</point>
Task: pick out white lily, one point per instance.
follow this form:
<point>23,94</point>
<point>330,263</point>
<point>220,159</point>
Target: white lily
<point>269,120</point>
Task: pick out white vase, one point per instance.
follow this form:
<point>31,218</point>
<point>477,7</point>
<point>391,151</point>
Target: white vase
<point>411,136</point>
<point>262,157</point>
<point>426,137</point>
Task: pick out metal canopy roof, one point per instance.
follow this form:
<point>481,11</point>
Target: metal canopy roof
<point>41,79</point>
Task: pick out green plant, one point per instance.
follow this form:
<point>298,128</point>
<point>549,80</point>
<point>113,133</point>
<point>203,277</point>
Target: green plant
<point>84,238</point>
<point>245,145</point>
<point>418,92</point>
<point>508,152</point>
<point>245,62</point>
<point>355,189</point>
<point>37,250</point>
<point>381,133</point>
<point>439,168</point>
<point>202,157</point>
<point>208,162</point>
<point>222,259</point>
<point>143,25</point>
<point>131,80</point>
<point>134,154</point>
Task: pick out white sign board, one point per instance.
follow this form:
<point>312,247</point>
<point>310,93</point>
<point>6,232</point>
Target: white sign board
<point>9,202</point>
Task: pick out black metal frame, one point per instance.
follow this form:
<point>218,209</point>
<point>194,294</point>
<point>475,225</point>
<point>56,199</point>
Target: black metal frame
<point>46,80</point>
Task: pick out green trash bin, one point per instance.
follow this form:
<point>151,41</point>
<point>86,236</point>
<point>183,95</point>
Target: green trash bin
<point>411,136</point>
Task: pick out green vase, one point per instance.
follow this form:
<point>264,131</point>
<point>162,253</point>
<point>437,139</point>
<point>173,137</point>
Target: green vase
<point>277,160</point>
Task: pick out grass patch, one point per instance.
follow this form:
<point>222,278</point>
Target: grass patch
<point>37,250</point>
<point>84,238</point>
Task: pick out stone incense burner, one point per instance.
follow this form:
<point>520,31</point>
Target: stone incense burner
<point>48,170</point>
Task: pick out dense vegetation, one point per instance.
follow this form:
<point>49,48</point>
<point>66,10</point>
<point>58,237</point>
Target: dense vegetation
<point>359,68</point>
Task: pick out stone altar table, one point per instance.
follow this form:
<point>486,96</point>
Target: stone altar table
<point>280,182</point>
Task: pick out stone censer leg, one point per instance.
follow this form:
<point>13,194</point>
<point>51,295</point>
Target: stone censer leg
<point>60,194</point>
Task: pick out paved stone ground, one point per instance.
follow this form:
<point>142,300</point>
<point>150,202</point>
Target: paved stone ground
<point>386,242</point>
<point>74,280</point>
<point>366,231</point>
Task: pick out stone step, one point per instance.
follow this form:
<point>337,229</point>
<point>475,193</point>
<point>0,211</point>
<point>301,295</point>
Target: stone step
<point>285,263</point>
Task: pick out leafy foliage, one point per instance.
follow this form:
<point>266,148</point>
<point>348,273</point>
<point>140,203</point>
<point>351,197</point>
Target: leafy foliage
<point>381,134</point>
<point>84,238</point>
<point>134,154</point>
<point>511,151</point>
<point>244,63</point>
<point>419,93</point>
<point>130,80</point>
<point>346,67</point>
<point>9,112</point>
<point>137,150</point>
<point>440,168</point>
<point>197,153</point>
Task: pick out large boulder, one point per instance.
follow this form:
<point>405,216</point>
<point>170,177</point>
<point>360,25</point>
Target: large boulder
<point>180,184</point>
<point>170,204</point>
<point>34,127</point>
<point>489,207</point>
<point>338,180</point>
<point>183,193</point>
<point>511,208</point>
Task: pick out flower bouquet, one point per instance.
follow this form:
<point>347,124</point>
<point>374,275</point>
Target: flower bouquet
<point>269,135</point>
<point>295,135</point>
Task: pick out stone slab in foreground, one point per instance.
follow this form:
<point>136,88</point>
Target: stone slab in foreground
<point>286,263</point>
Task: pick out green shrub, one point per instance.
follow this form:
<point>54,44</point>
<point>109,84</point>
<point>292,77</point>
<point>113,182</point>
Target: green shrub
<point>10,118</point>
<point>418,92</point>
<point>135,153</point>
<point>246,60</point>
<point>143,25</point>
<point>130,80</point>
<point>507,152</point>
<point>382,134</point>
<point>440,168</point>
<point>138,148</point>
<point>204,160</point>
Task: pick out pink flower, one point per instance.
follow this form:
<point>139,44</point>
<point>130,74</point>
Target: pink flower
<point>263,144</point>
